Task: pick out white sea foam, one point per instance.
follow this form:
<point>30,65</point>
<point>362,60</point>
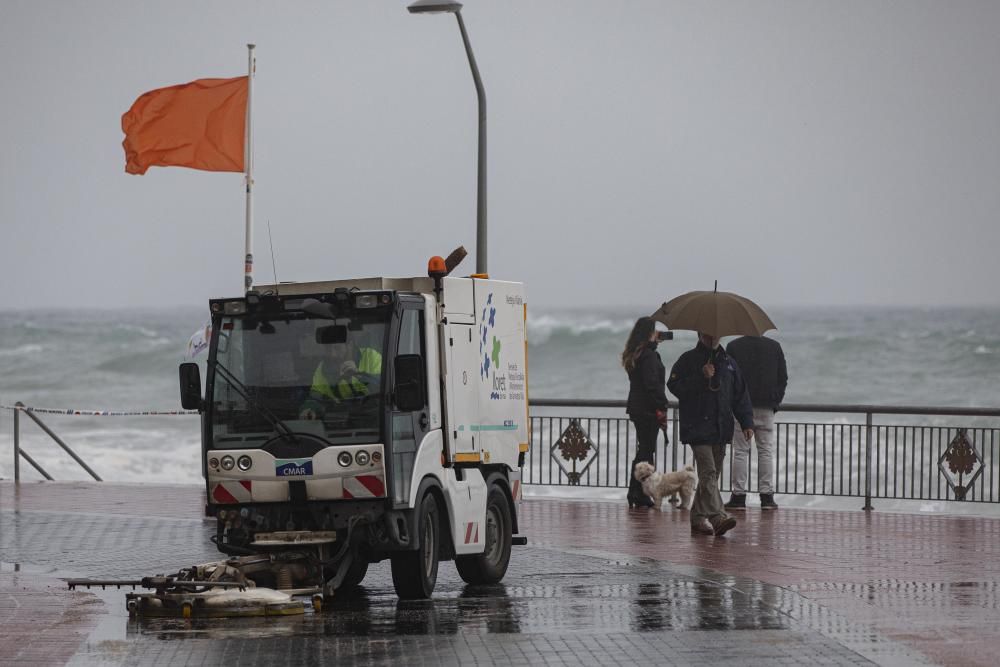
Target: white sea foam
<point>906,334</point>
<point>22,350</point>
<point>543,327</point>
<point>134,328</point>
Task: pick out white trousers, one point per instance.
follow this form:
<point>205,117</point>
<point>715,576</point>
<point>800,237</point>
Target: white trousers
<point>763,434</point>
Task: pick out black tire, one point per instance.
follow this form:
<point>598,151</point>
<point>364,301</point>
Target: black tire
<point>490,566</point>
<point>355,573</point>
<point>414,573</point>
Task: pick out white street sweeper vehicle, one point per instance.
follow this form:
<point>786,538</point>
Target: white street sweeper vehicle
<point>352,421</point>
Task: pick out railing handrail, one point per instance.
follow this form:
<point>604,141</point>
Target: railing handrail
<point>791,407</point>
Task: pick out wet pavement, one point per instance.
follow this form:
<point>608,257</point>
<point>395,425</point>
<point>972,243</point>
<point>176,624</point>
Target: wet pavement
<point>598,584</point>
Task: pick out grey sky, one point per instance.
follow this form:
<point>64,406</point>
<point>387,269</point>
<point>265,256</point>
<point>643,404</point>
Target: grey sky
<point>799,152</point>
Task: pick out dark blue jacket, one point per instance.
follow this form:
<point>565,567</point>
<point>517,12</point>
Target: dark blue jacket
<point>706,414</point>
<point>764,369</point>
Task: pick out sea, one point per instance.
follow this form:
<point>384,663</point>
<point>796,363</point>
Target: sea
<point>125,360</point>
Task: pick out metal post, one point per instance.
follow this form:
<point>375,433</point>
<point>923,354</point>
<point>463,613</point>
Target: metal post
<point>481,182</point>
<point>17,442</point>
<point>868,462</point>
<point>248,166</point>
<point>676,439</point>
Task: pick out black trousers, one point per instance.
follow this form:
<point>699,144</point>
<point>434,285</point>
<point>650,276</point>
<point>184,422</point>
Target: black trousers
<point>646,428</point>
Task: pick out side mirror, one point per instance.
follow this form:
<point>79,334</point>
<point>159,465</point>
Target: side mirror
<point>409,389</point>
<point>190,376</point>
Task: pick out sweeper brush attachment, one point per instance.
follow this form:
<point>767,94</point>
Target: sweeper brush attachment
<point>214,590</point>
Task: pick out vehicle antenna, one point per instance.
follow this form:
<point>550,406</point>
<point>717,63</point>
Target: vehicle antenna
<point>274,265</point>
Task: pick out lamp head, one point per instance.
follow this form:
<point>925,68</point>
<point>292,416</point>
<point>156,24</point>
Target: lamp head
<point>434,7</point>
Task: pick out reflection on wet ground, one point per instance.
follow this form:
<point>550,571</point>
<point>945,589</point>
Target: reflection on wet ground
<point>678,604</point>
<point>558,604</point>
<point>554,604</point>
<point>552,601</point>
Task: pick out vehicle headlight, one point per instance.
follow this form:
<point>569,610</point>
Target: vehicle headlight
<point>244,462</point>
<point>344,459</point>
<point>376,457</point>
<point>362,458</point>
<point>228,462</point>
<point>213,462</point>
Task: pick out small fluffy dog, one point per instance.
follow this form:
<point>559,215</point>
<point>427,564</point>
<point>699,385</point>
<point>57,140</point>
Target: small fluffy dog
<point>660,485</point>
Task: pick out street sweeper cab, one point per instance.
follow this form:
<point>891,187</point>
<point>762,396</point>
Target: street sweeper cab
<point>352,421</point>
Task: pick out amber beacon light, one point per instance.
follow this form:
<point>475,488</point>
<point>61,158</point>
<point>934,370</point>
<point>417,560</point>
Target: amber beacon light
<point>436,267</point>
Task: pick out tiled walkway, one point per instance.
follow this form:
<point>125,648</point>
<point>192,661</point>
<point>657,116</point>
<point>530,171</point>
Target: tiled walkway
<point>598,584</point>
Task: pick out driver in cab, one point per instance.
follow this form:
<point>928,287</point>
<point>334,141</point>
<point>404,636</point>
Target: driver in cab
<point>344,375</point>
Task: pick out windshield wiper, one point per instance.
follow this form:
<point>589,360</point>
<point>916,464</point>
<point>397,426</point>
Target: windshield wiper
<point>244,393</point>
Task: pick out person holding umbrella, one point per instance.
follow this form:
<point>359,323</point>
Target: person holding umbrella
<point>711,391</point>
<point>647,400</point>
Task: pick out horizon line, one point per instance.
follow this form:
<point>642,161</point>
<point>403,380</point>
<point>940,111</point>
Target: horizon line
<point>544,306</point>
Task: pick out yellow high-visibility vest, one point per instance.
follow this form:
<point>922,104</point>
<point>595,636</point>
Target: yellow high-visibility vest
<point>369,363</point>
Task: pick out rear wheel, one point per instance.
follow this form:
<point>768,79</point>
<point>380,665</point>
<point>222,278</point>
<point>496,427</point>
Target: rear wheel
<point>414,573</point>
<point>490,566</point>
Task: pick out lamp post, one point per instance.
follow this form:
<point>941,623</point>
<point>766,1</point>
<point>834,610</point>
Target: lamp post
<point>441,7</point>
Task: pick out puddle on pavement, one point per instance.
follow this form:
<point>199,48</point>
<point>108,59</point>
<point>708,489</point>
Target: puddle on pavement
<point>592,601</point>
<point>627,605</point>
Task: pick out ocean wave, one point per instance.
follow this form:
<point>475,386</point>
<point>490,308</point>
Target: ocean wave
<point>139,362</point>
<point>542,328</point>
<point>22,350</point>
<point>109,360</point>
<point>910,335</point>
<point>135,328</point>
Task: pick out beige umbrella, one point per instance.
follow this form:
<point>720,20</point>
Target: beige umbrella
<point>715,313</point>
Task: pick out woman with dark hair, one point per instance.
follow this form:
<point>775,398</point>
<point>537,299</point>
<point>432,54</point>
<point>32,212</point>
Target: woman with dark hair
<point>647,400</point>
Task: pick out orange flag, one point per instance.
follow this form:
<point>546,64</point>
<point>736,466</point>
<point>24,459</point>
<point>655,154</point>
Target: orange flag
<point>200,125</point>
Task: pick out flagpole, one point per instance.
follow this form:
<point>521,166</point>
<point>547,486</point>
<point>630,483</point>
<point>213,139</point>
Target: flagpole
<point>248,164</point>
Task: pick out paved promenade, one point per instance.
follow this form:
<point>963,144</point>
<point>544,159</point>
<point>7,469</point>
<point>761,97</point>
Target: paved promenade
<point>598,584</point>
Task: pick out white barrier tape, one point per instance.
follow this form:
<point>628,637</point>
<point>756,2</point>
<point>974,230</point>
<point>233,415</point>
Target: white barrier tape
<point>98,413</point>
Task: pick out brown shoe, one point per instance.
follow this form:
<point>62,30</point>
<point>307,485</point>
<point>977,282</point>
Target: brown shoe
<point>703,527</point>
<point>723,526</point>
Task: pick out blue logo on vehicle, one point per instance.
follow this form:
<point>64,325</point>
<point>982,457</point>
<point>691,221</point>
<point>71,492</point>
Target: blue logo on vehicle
<point>293,467</point>
<point>489,350</point>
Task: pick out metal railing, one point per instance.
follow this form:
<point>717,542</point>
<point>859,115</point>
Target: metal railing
<point>896,452</point>
<point>591,443</point>
<point>19,453</point>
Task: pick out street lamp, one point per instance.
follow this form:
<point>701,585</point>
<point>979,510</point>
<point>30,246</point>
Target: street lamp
<point>441,7</point>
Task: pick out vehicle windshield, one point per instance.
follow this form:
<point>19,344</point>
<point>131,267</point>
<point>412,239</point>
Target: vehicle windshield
<point>295,373</point>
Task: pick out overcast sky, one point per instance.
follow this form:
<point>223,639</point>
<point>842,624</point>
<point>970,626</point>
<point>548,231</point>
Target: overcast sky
<point>836,152</point>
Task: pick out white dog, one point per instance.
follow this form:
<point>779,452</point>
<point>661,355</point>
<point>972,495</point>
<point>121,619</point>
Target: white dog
<point>660,485</point>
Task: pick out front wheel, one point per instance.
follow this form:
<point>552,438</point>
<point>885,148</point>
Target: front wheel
<point>414,573</point>
<point>490,566</point>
